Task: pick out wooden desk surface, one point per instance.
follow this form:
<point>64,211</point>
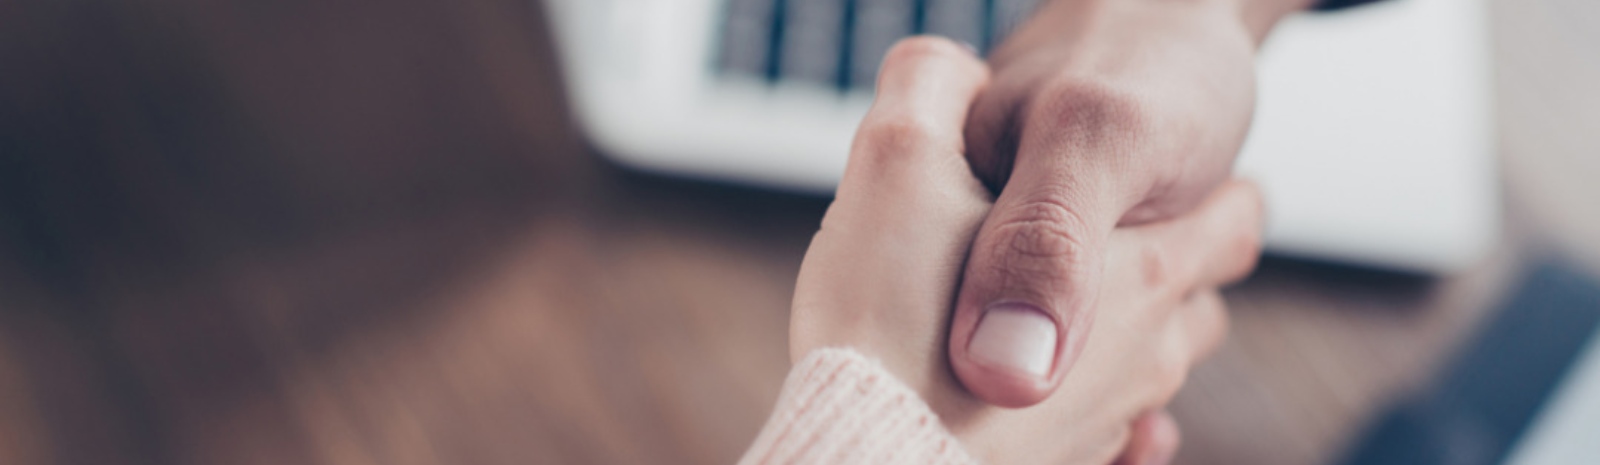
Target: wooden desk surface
<point>361,232</point>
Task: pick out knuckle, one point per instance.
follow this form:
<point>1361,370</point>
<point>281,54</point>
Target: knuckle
<point>1249,242</point>
<point>1038,248</point>
<point>1246,244</point>
<point>1091,112</point>
<point>1120,438</point>
<point>1043,236</point>
<point>1253,219</point>
<point>1221,324</point>
<point>1156,265</point>
<point>898,137</point>
<point>1172,370</point>
<point>911,51</point>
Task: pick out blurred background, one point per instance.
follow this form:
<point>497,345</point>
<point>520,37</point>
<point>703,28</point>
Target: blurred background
<point>358,232</point>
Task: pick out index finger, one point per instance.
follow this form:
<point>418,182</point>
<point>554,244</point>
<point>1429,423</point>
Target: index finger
<point>912,134</point>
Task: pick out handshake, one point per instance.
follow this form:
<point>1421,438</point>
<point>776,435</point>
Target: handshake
<point>1023,259</point>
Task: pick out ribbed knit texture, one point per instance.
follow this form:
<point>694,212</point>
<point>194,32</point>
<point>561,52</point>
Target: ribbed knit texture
<point>838,407</point>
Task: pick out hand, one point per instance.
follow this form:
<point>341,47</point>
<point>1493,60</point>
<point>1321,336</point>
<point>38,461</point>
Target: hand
<point>1101,113</point>
<point>882,273</point>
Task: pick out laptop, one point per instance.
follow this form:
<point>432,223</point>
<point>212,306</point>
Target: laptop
<point>1567,430</point>
<point>1525,390</point>
<point>1373,136</point>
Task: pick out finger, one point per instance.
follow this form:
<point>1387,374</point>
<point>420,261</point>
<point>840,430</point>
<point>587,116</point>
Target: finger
<point>1203,324</point>
<point>906,170</point>
<point>907,207</point>
<point>912,134</point>
<point>1217,244</point>
<point>1192,331</point>
<point>1032,278</point>
<point>1154,440</point>
<point>994,130</point>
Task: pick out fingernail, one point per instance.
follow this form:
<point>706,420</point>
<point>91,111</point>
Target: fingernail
<point>1017,337</point>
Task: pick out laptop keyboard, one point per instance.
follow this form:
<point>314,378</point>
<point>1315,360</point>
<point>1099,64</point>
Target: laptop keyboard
<point>840,42</point>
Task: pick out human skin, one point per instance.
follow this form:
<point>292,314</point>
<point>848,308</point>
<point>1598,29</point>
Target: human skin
<point>1100,114</point>
<point>883,271</point>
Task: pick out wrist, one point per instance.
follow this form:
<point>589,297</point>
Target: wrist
<point>840,406</point>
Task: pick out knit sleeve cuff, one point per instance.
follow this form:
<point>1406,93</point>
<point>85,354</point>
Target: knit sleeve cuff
<point>838,407</point>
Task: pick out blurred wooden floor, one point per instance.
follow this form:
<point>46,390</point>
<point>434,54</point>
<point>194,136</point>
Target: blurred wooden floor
<point>361,232</point>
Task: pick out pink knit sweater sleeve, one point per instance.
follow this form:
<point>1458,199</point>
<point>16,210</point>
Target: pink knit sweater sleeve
<point>838,407</point>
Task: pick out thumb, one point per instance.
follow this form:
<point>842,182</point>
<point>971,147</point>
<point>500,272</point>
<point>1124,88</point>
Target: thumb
<point>1027,299</point>
<point>1028,294</point>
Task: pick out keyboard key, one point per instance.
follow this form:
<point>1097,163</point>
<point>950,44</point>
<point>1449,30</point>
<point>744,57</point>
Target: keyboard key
<point>747,37</point>
<point>842,42</point>
<point>960,20</point>
<point>813,33</point>
<point>1006,16</point>
<point>878,24</point>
